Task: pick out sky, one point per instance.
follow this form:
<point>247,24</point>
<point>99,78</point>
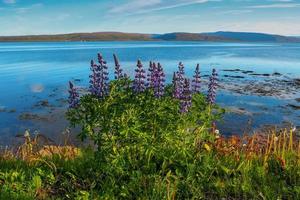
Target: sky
<point>27,17</point>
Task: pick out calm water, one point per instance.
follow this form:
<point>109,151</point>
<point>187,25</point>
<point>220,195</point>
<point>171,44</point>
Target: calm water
<point>33,72</point>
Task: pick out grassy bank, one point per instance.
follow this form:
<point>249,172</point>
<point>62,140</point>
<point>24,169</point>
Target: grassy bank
<point>181,167</point>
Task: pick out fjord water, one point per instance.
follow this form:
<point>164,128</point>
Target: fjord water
<point>33,72</point>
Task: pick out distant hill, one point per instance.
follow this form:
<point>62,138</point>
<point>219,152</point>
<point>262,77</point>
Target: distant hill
<point>178,36</point>
<point>97,36</point>
<point>190,37</point>
<point>254,37</point>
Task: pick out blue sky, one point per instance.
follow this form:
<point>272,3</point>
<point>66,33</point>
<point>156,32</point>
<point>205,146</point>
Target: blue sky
<point>22,17</point>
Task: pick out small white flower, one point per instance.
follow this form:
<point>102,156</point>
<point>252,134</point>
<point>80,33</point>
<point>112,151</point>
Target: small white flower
<point>217,132</point>
<point>275,139</point>
<point>26,134</point>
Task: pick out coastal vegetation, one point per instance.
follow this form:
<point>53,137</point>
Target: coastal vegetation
<point>151,140</point>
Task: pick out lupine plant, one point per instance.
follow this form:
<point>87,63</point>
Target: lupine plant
<point>196,80</point>
<point>158,81</point>
<point>186,97</point>
<point>103,77</point>
<point>139,79</point>
<point>73,96</point>
<point>150,74</point>
<point>118,70</point>
<point>115,100</point>
<point>176,86</point>
<point>212,87</point>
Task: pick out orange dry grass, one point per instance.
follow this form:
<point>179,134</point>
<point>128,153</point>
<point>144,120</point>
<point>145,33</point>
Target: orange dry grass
<point>265,145</point>
<point>34,149</point>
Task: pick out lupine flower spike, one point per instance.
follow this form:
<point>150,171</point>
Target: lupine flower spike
<point>139,80</point>
<point>73,96</point>
<point>181,68</point>
<point>118,70</point>
<point>186,97</point>
<point>150,75</point>
<point>158,81</point>
<point>197,80</point>
<point>212,87</point>
<point>94,77</point>
<point>176,86</point>
<point>103,77</point>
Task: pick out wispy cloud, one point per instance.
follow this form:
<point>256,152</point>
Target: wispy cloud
<point>236,12</point>
<point>137,6</point>
<point>9,1</point>
<point>277,5</point>
<point>22,10</point>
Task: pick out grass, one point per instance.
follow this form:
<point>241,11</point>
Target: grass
<point>249,167</point>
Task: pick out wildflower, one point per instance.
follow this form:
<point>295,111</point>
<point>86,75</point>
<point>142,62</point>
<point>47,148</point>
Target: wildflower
<point>94,78</point>
<point>26,134</point>
<point>150,75</point>
<point>158,81</point>
<point>73,96</point>
<point>217,132</point>
<point>103,75</point>
<point>181,68</point>
<point>186,97</point>
<point>212,87</point>
<point>99,78</point>
<point>275,139</point>
<point>118,70</point>
<point>176,86</point>
<point>139,81</point>
<point>196,81</point>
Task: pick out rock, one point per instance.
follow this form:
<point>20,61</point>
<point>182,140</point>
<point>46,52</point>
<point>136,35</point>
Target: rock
<point>247,72</point>
<point>296,107</point>
<point>276,74</point>
<point>231,70</point>
<point>30,116</point>
<point>229,76</point>
<point>43,103</point>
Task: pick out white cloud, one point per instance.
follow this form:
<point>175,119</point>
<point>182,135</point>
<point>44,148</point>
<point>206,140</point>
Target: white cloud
<point>145,6</point>
<point>9,1</point>
<point>278,5</point>
<point>236,12</point>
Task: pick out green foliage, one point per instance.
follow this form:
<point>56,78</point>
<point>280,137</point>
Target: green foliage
<point>124,115</point>
<point>148,150</point>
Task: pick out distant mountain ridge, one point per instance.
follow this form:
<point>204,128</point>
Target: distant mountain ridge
<point>254,37</point>
<point>220,36</point>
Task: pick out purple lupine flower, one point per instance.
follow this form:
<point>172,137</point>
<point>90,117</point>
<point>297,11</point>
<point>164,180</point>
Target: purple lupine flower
<point>94,77</point>
<point>176,86</point>
<point>158,81</point>
<point>139,79</point>
<point>150,74</point>
<point>118,70</point>
<point>212,87</point>
<point>73,96</point>
<point>197,80</point>
<point>186,97</point>
<point>102,87</point>
<point>181,68</point>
